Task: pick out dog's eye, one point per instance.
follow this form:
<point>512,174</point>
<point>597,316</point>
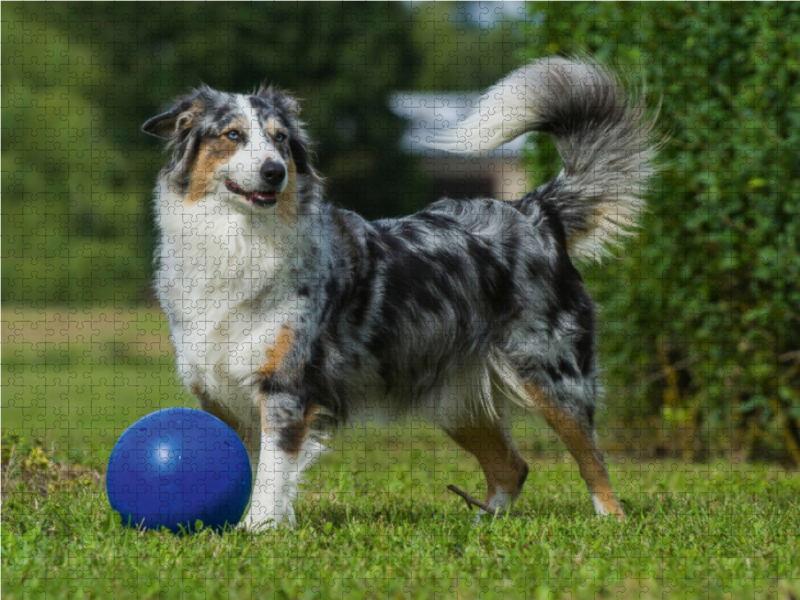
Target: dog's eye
<point>234,135</point>
<point>280,137</point>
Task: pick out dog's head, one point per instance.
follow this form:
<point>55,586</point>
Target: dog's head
<point>247,149</point>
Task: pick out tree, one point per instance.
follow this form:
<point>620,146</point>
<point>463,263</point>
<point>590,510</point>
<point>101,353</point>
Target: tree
<point>80,79</point>
<point>710,290</point>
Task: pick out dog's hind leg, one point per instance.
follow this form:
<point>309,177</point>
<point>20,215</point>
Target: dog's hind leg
<point>574,424</point>
<point>491,443</point>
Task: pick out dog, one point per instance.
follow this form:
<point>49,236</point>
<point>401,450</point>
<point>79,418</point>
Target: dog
<point>290,316</point>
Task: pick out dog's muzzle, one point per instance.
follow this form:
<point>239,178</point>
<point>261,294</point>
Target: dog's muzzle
<point>261,199</point>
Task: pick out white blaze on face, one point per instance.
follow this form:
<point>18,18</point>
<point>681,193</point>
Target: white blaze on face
<point>244,167</point>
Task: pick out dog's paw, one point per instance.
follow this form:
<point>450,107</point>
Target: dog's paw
<point>265,520</point>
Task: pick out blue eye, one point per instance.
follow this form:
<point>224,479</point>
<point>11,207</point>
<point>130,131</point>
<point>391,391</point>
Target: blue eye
<point>280,137</point>
<point>234,135</point>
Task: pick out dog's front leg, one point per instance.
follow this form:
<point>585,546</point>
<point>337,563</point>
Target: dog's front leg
<point>285,450</point>
<point>275,485</point>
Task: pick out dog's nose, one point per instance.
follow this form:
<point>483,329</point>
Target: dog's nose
<point>272,172</point>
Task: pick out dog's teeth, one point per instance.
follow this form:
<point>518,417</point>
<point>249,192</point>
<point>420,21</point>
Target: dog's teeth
<point>263,198</point>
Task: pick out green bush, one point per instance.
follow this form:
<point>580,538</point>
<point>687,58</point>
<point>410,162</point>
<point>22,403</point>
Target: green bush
<point>70,222</point>
<point>709,292</point>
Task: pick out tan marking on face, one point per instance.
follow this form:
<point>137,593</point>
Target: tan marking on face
<point>286,201</point>
<point>581,444</point>
<point>213,153</point>
<point>277,352</point>
<point>273,126</point>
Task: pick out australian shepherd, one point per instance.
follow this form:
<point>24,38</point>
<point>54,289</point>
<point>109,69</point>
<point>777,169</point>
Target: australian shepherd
<point>290,316</point>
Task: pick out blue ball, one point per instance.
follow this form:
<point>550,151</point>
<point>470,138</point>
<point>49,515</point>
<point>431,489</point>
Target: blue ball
<point>176,466</point>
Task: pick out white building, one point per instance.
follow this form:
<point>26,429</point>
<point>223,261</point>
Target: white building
<point>498,174</point>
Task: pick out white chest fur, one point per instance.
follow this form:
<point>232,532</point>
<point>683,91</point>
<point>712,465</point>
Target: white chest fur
<point>224,280</point>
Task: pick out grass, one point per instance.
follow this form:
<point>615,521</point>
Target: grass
<point>74,379</point>
<point>375,519</point>
<point>374,525</point>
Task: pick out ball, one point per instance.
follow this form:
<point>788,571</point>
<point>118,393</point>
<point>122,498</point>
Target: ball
<point>177,466</point>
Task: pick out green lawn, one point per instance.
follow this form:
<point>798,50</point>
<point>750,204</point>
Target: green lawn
<point>76,378</point>
<point>375,519</point>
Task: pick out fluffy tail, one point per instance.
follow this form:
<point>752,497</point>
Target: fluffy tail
<point>600,131</point>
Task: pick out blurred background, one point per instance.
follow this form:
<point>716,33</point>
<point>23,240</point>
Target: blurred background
<point>699,317</point>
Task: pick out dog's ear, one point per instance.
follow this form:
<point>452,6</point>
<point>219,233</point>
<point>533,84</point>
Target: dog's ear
<point>180,126</point>
<point>281,98</point>
<point>302,154</point>
<point>177,119</point>
<point>293,105</point>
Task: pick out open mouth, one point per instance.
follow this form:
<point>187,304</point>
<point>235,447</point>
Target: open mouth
<point>260,199</point>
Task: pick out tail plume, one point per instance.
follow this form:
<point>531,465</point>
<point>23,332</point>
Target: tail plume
<point>601,131</point>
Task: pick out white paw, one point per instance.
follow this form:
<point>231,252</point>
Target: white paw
<point>252,524</point>
<point>261,519</point>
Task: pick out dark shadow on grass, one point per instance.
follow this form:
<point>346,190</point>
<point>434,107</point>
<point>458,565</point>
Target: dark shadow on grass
<point>341,515</point>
